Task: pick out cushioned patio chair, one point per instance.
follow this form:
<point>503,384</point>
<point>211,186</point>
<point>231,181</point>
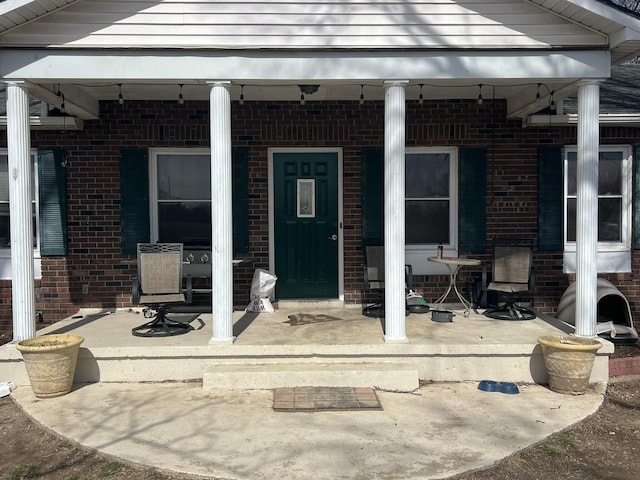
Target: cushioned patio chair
<point>158,286</point>
<point>512,274</point>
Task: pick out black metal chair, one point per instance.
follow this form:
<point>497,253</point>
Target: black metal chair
<point>512,274</point>
<point>158,286</point>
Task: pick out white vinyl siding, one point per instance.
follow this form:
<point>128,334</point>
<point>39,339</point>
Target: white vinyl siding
<point>304,24</point>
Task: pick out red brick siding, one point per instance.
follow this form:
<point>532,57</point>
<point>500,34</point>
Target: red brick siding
<point>94,255</point>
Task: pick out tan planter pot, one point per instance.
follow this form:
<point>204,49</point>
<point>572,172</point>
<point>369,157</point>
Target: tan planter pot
<point>51,363</point>
<point>569,361</point>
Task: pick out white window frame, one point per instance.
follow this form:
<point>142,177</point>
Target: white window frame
<point>153,181</point>
<point>5,252</point>
<point>612,257</point>
<point>417,255</point>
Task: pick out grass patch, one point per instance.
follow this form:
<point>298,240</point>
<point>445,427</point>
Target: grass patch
<point>565,441</point>
<point>22,472</point>
<point>553,451</point>
<point>150,474</point>
<point>110,469</point>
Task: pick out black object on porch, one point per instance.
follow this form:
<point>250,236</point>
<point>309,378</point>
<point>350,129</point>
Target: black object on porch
<point>158,285</point>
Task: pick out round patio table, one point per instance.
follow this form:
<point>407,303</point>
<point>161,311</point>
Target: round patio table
<point>454,264</point>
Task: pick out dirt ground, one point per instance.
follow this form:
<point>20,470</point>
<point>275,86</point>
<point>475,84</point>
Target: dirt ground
<point>603,446</point>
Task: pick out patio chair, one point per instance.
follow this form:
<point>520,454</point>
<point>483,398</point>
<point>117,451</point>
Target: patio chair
<point>374,281</point>
<point>158,286</point>
<point>512,274</point>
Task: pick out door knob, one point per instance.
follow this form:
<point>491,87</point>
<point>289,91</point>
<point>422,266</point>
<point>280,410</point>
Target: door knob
<point>333,237</point>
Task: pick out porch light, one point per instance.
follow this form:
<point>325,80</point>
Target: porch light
<point>480,100</point>
<point>241,95</point>
<point>538,93</point>
<point>361,94</point>
<point>308,89</point>
<point>180,96</point>
<point>552,105</point>
<point>421,97</point>
<point>120,97</point>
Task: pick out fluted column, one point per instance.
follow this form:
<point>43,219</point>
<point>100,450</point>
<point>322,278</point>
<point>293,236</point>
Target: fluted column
<point>221,214</point>
<point>587,208</point>
<point>394,171</point>
<point>20,212</point>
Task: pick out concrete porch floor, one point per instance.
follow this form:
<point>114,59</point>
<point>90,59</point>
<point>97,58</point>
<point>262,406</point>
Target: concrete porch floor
<point>469,348</point>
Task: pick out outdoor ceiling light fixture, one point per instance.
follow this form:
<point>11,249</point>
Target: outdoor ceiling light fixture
<point>120,97</point>
<point>241,95</point>
<point>361,94</point>
<point>308,89</point>
<point>180,96</point>
<point>60,96</point>
<point>421,97</point>
<point>480,95</point>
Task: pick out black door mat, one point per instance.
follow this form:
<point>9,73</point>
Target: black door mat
<point>316,399</point>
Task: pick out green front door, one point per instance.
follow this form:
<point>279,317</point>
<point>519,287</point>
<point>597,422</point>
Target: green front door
<point>306,237</point>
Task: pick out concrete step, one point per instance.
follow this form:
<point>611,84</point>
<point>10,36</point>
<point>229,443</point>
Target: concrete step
<point>386,376</point>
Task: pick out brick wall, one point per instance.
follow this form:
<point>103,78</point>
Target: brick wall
<point>93,186</point>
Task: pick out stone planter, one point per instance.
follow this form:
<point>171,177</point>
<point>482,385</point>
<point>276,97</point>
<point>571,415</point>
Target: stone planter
<point>568,360</point>
<point>51,363</point>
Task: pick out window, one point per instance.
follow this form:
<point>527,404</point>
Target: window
<point>614,198</point>
<point>614,209</point>
<point>181,196</point>
<point>430,193</point>
<point>5,221</point>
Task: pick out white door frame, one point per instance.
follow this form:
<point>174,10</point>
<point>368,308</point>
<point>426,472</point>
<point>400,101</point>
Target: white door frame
<point>273,150</point>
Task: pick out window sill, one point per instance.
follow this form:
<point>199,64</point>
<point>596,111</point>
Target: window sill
<point>5,267</point>
<point>607,261</point>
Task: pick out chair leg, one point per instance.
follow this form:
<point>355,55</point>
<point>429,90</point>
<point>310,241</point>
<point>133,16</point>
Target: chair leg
<point>161,326</point>
<point>510,311</point>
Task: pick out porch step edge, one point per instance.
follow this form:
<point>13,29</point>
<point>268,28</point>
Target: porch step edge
<point>386,376</point>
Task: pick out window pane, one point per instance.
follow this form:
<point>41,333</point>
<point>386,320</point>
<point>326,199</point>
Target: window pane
<point>571,219</point>
<point>189,223</point>
<point>4,225</point>
<point>4,179</point>
<point>610,174</point>
<point>427,222</point>
<point>427,175</point>
<point>610,220</point>
<point>184,177</point>
<point>572,175</point>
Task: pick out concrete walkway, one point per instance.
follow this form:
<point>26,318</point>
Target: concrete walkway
<point>438,431</point>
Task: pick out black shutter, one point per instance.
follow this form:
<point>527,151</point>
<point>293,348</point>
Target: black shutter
<point>373,196</point>
<point>134,198</point>
<point>636,198</point>
<point>52,193</point>
<point>472,214</point>
<point>550,198</point>
<point>240,200</point>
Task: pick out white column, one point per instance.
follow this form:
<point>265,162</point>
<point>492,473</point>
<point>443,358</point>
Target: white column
<point>221,214</point>
<point>20,212</point>
<point>587,208</point>
<point>394,167</point>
